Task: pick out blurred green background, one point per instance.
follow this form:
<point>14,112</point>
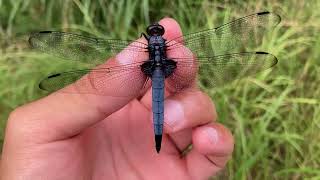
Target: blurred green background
<point>274,116</point>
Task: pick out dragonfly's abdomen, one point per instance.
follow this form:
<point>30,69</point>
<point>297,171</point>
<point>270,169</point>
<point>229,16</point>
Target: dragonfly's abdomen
<point>157,103</point>
<point>157,99</point>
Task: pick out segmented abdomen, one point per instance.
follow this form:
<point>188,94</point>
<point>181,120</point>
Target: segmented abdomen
<point>157,100</point>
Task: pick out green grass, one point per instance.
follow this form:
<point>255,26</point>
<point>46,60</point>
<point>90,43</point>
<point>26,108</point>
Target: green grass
<point>274,116</point>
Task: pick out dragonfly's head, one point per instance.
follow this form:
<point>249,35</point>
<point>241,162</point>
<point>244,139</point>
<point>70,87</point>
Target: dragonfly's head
<point>155,30</point>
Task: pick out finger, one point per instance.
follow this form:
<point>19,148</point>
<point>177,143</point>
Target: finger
<point>61,115</point>
<point>181,139</point>
<point>184,75</point>
<point>212,147</point>
<point>184,111</point>
<point>172,28</point>
<point>188,110</point>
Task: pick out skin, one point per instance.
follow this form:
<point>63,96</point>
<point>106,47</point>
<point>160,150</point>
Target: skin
<point>75,136</point>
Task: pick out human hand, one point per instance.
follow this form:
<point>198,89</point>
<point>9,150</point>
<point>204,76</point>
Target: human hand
<point>72,136</point>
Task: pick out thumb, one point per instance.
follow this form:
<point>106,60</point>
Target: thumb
<point>62,115</point>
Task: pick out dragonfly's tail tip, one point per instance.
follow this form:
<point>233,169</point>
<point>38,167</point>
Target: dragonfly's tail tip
<point>158,139</point>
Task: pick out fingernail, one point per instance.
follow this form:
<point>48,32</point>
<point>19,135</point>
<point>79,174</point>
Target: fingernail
<point>213,135</point>
<point>173,113</point>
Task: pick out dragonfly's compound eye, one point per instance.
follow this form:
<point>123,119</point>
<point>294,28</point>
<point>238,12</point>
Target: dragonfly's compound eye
<point>155,29</point>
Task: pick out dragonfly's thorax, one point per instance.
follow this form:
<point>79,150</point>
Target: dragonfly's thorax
<point>156,47</point>
<point>157,57</point>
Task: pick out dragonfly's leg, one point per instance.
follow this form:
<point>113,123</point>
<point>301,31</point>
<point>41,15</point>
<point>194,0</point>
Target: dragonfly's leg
<point>146,82</point>
<point>145,36</point>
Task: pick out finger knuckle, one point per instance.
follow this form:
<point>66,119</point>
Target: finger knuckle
<point>209,105</point>
<point>17,121</point>
<point>15,115</point>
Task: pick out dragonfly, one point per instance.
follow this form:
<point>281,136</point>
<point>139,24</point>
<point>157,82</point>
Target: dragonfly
<point>222,55</point>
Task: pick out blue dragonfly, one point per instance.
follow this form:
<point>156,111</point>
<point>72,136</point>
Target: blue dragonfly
<point>221,54</point>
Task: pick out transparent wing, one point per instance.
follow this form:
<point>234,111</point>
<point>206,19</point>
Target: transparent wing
<point>219,70</point>
<point>240,35</point>
<point>81,48</point>
<point>125,79</point>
